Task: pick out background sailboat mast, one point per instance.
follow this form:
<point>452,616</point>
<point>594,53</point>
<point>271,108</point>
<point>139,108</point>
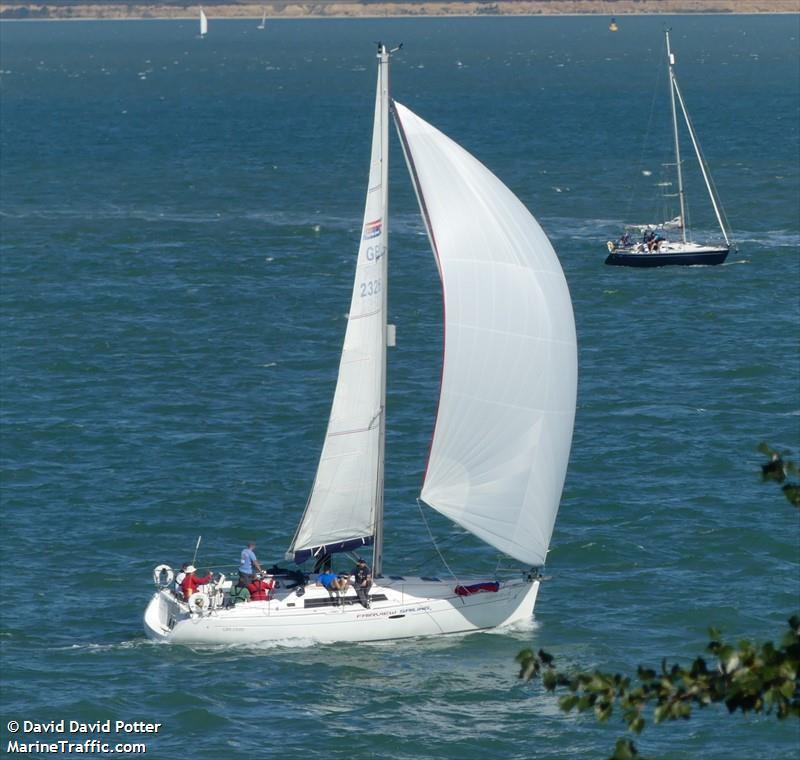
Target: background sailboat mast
<point>672,85</point>
<point>383,79</point>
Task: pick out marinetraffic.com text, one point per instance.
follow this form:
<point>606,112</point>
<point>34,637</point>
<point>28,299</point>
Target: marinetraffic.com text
<point>64,737</point>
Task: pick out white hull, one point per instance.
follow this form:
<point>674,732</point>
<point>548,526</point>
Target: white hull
<point>400,608</point>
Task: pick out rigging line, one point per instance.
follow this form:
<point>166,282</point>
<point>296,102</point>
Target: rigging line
<point>433,541</point>
<point>497,566</point>
<point>710,186</point>
<point>427,559</point>
<point>647,134</point>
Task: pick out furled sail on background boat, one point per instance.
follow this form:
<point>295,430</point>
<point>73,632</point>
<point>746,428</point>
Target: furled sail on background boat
<point>503,430</point>
<point>654,245</point>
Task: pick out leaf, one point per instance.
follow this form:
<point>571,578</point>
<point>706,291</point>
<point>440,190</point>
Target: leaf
<point>602,711</point>
<point>624,750</point>
<point>568,702</point>
<point>646,674</point>
<point>661,712</point>
<point>792,492</point>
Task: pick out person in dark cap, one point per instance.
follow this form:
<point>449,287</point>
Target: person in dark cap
<point>362,581</point>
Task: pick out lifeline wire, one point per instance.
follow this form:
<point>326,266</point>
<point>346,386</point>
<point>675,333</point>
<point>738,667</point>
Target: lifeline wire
<point>433,541</point>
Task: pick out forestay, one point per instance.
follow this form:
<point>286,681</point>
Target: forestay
<point>504,424</point>
<point>347,495</point>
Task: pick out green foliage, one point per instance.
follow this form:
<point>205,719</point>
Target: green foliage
<point>746,678</point>
<point>625,750</point>
<point>779,469</point>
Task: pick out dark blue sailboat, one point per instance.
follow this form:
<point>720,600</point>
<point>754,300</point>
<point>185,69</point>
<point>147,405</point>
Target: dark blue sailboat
<point>653,246</point>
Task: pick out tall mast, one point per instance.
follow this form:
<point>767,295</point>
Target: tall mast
<point>672,85</point>
<point>383,80</point>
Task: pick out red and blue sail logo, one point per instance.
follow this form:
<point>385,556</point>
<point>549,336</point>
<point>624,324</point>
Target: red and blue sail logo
<point>372,229</point>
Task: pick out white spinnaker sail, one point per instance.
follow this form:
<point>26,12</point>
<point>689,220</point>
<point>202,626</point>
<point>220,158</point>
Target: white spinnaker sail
<point>346,499</point>
<point>504,425</point>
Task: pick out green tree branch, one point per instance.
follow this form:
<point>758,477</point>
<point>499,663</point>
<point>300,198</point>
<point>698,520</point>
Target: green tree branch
<point>748,677</point>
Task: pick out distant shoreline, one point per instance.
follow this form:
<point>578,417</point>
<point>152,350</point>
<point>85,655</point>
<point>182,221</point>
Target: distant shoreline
<point>401,9</point>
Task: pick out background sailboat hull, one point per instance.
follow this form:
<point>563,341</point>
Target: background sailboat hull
<point>412,607</point>
<point>685,258</point>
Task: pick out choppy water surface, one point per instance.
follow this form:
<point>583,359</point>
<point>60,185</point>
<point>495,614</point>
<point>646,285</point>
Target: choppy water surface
<point>179,224</point>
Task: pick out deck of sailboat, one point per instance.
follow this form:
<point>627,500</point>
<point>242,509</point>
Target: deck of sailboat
<point>400,607</point>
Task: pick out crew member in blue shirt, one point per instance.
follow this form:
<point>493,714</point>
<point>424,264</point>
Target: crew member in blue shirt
<point>249,563</point>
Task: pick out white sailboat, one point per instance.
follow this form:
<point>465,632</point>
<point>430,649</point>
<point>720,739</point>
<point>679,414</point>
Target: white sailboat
<point>203,23</point>
<point>263,20</point>
<point>655,245</point>
<point>502,434</point>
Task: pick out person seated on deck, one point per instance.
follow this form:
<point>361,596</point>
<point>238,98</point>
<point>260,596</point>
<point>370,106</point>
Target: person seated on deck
<point>332,581</point>
<point>657,241</point>
<point>362,581</point>
<point>625,240</point>
<point>190,582</point>
<point>260,588</point>
<point>239,593</point>
<point>649,239</point>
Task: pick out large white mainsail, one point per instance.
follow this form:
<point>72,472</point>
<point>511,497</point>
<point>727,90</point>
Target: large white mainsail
<point>344,509</point>
<point>203,23</point>
<point>506,410</point>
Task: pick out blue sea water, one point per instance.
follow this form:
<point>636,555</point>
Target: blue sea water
<point>179,224</point>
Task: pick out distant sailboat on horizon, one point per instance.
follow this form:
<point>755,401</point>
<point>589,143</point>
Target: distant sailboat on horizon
<point>263,20</point>
<point>203,23</point>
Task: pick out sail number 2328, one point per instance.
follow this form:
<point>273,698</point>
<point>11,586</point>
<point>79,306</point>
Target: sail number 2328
<point>370,288</point>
